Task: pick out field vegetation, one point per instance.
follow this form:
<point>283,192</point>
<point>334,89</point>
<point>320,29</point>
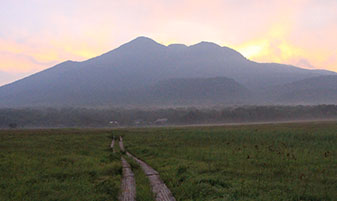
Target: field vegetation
<point>68,164</point>
<point>253,162</point>
<point>257,162</point>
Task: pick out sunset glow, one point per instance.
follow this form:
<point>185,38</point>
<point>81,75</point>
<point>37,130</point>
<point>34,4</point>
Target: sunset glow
<point>37,34</point>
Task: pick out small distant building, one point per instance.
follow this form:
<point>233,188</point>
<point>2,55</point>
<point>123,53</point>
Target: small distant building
<point>113,123</point>
<point>161,121</point>
<point>138,122</point>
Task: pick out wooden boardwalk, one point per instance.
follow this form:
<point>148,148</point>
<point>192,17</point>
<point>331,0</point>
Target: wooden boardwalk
<point>161,191</point>
<point>159,188</point>
<point>121,145</point>
<point>128,183</point>
<point>128,187</point>
<point>112,144</point>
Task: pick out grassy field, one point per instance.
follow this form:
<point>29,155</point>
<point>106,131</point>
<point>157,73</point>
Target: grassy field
<point>256,162</point>
<point>58,165</point>
<point>252,162</point>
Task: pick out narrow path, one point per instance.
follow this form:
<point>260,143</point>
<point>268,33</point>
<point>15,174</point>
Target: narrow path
<point>112,144</point>
<point>162,193</point>
<point>121,145</point>
<point>128,183</point>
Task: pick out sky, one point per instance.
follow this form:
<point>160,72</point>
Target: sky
<point>37,34</point>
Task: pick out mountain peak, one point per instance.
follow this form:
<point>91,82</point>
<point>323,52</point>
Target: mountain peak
<point>205,44</point>
<point>177,45</point>
<point>143,39</point>
<point>215,49</point>
<point>142,42</point>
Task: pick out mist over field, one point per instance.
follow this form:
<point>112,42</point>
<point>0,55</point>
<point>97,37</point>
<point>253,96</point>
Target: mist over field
<point>154,117</point>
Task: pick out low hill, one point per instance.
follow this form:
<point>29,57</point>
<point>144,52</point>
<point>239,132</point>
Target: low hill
<point>316,90</point>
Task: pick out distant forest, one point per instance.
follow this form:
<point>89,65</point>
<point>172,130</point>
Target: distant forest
<point>85,117</point>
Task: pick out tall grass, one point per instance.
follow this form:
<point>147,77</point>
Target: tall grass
<point>58,165</point>
<point>258,162</point>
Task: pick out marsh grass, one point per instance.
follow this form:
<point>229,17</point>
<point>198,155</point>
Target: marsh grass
<point>257,162</point>
<point>67,164</point>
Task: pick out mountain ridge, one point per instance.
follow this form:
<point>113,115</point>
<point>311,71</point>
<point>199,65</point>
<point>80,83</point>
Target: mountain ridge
<point>139,64</point>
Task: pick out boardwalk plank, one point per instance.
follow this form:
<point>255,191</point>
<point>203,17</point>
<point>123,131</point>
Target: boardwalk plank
<point>112,144</point>
<point>128,183</point>
<point>121,145</point>
<point>161,191</point>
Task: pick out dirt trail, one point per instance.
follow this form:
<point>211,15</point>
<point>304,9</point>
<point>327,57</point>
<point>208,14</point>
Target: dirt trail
<point>162,193</point>
<point>128,183</point>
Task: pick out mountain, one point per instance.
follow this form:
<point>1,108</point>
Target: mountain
<point>116,77</point>
<point>316,90</point>
<point>199,91</point>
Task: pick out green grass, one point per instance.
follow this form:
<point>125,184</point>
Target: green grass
<point>289,162</point>
<point>58,165</point>
<point>257,162</point>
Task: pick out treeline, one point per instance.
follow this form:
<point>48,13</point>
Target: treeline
<point>85,117</point>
